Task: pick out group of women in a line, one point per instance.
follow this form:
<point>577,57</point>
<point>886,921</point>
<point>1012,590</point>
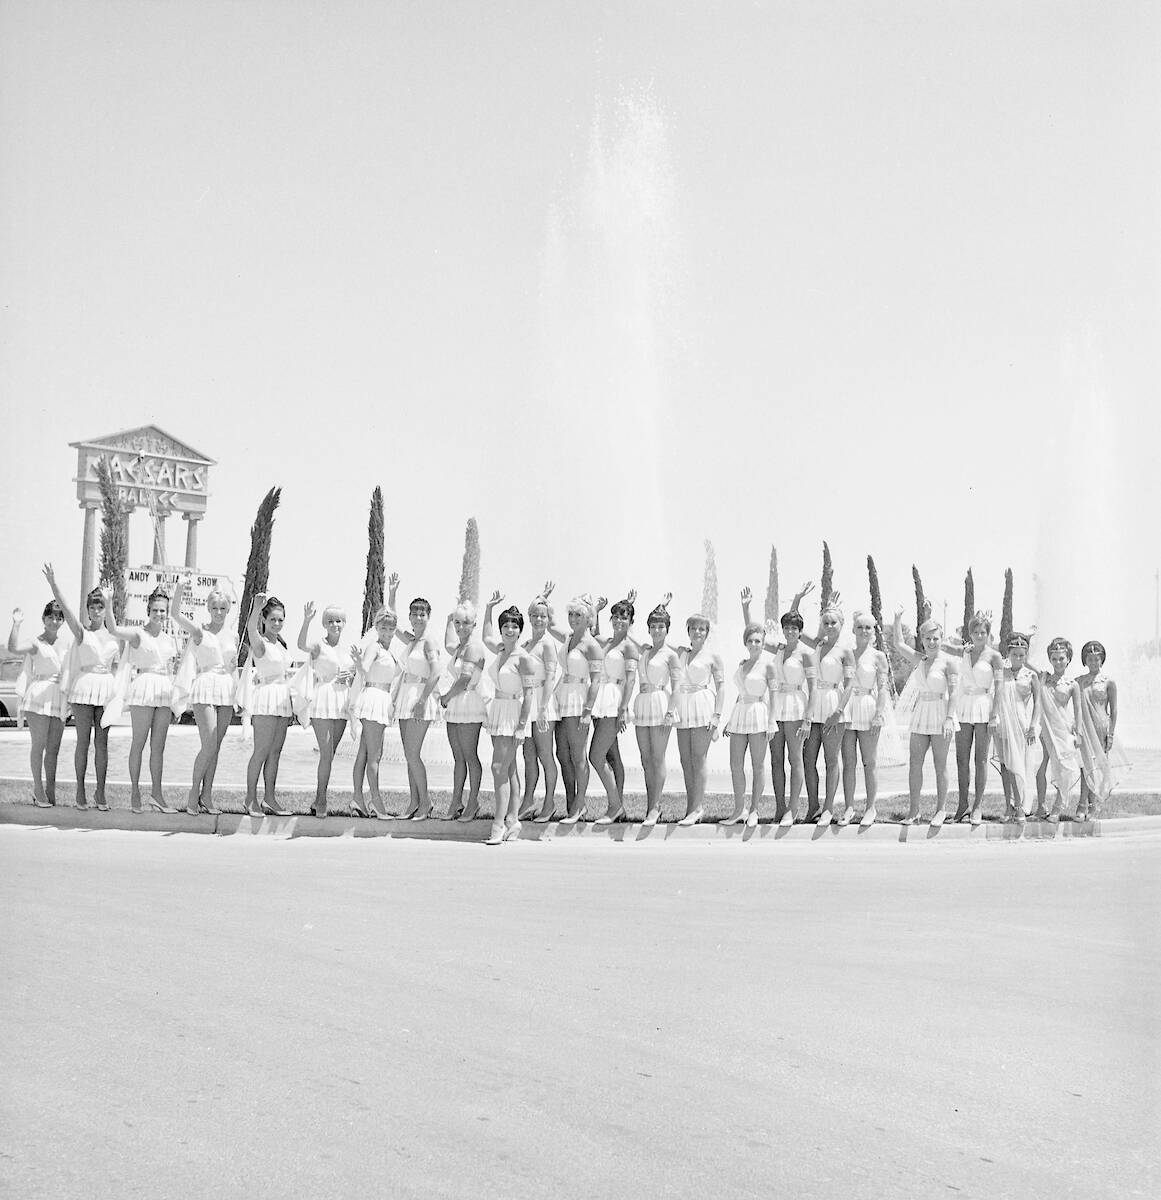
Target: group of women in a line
<point>559,700</point>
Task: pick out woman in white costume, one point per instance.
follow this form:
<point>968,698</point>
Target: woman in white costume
<point>514,678</point>
<point>611,709</point>
<point>865,704</point>
<point>791,699</point>
<point>749,725</point>
<point>834,670</point>
<point>333,670</point>
<point>88,685</point>
<point>1060,702</point>
<point>415,703</point>
<point>979,674</point>
<point>381,678</point>
<point>463,708</point>
<point>539,740</point>
<point>41,701</point>
<point>150,651</point>
<point>265,693</point>
<point>1015,728</point>
<point>582,667</point>
<point>205,682</point>
<point>1098,728</point>
<point>655,708</point>
<point>700,700</point>
<point>929,702</point>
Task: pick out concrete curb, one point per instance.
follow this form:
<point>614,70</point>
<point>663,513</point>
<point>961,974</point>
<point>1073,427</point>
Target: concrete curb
<point>283,828</point>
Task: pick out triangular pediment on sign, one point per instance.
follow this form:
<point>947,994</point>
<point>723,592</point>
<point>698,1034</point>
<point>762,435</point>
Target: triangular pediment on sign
<point>147,439</point>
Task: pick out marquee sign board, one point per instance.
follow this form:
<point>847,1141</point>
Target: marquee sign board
<point>150,467</point>
<point>141,582</point>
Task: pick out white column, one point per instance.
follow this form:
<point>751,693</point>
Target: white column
<point>191,539</point>
<point>88,550</point>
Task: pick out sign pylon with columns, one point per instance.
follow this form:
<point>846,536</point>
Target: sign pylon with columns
<point>152,470</point>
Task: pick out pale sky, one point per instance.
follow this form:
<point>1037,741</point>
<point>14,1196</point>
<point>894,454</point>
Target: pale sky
<point>611,278</point>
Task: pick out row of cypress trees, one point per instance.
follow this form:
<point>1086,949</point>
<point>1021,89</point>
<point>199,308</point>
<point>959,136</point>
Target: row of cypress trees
<point>114,568</point>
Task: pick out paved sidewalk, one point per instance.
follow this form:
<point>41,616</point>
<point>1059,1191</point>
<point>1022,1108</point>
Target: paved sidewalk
<point>190,1017</point>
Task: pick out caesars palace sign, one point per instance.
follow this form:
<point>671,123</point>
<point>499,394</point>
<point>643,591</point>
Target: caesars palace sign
<point>152,470</point>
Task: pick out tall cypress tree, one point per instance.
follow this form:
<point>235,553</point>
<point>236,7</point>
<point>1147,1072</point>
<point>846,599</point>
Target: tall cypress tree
<point>1006,611</point>
<point>470,572</point>
<point>826,586</point>
<point>258,565</point>
<point>876,601</point>
<point>709,592</point>
<point>772,587</point>
<point>114,540</point>
<point>920,601</point>
<point>969,603</point>
<point>376,572</point>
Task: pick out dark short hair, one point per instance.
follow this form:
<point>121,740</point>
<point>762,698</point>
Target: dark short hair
<point>660,613</point>
<point>1089,647</point>
<point>95,597</point>
<point>420,602</point>
<point>792,620</point>
<point>511,616</point>
<point>623,609</point>
<point>52,609</point>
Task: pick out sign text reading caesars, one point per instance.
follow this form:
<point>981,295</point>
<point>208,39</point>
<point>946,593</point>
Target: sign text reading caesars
<point>147,473</point>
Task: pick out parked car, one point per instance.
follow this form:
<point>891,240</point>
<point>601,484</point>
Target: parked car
<point>10,667</point>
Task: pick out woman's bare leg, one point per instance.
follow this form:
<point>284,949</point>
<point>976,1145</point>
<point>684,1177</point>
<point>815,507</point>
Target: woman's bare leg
<point>652,741</point>
<point>810,769</point>
<point>604,736</point>
<point>983,737</point>
<point>793,741</point>
<point>832,739</point>
<point>850,744</point>
<point>576,741</point>
<point>158,734</point>
<point>459,768</point>
<point>328,733</point>
<point>100,757</point>
<point>372,750</point>
<point>38,728</point>
<point>142,720</point>
<point>963,767</point>
<point>778,770</point>
<point>738,744</point>
<point>83,721</point>
<point>504,818</point>
<point>413,731</point>
<point>264,729</point>
<point>693,767</point>
<point>757,743</point>
<point>919,744</point>
<point>51,754</point>
<point>542,743</point>
<point>940,746</point>
<point>869,749</point>
<point>270,766</point>
<point>564,757</point>
<point>205,718</point>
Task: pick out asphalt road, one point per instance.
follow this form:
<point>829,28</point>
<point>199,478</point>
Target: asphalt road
<point>216,1017</point>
